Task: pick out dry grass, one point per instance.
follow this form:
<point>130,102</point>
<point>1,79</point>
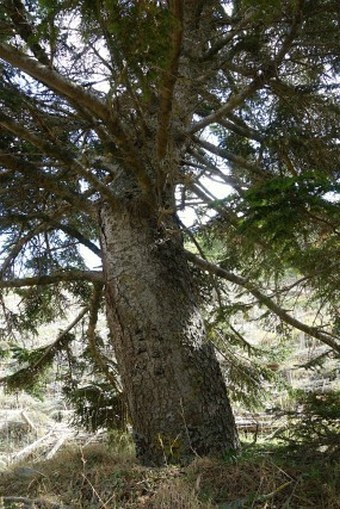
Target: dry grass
<point>177,494</point>
<point>97,477</point>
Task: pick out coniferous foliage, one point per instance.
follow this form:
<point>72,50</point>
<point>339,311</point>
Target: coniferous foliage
<point>115,117</point>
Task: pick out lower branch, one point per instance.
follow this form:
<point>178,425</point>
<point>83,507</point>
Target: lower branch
<point>325,338</point>
<point>97,356</point>
<point>27,375</point>
<point>51,279</point>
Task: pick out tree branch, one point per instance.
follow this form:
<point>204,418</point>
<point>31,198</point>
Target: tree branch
<point>208,165</point>
<point>9,220</point>
<point>20,243</point>
<point>243,130</point>
<point>169,77</point>
<point>60,153</point>
<point>79,236</point>
<point>47,354</point>
<point>96,354</point>
<point>234,101</point>
<point>50,183</point>
<point>81,99</point>
<point>17,13</point>
<point>269,68</point>
<point>224,41</point>
<point>51,279</point>
<point>62,86</point>
<point>23,240</point>
<point>325,338</point>
<point>230,156</point>
<point>287,43</point>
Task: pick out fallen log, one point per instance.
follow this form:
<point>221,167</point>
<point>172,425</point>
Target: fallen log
<point>31,447</point>
<point>57,445</point>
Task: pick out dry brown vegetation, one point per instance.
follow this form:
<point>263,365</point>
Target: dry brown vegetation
<point>101,477</point>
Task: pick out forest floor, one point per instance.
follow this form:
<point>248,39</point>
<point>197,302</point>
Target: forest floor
<point>102,476</point>
<point>289,460</point>
<point>49,464</point>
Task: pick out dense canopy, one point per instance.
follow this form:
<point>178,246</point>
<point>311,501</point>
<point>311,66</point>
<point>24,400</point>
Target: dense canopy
<point>216,120</point>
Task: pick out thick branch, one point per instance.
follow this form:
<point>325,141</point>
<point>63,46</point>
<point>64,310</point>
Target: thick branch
<point>170,77</point>
<point>325,338</point>
<point>233,102</point>
<point>81,99</point>
<point>241,130</point>
<point>230,156</point>
<point>79,236</point>
<point>18,15</point>
<point>74,275</point>
<point>75,93</point>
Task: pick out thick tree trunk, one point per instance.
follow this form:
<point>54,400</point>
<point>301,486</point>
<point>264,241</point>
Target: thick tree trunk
<point>176,394</point>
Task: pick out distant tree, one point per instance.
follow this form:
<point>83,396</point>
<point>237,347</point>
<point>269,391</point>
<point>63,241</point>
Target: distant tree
<point>117,115</point>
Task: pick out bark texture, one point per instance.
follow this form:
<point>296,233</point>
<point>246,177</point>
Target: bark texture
<point>176,394</point>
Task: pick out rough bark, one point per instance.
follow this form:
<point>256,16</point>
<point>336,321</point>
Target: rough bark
<point>176,393</point>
